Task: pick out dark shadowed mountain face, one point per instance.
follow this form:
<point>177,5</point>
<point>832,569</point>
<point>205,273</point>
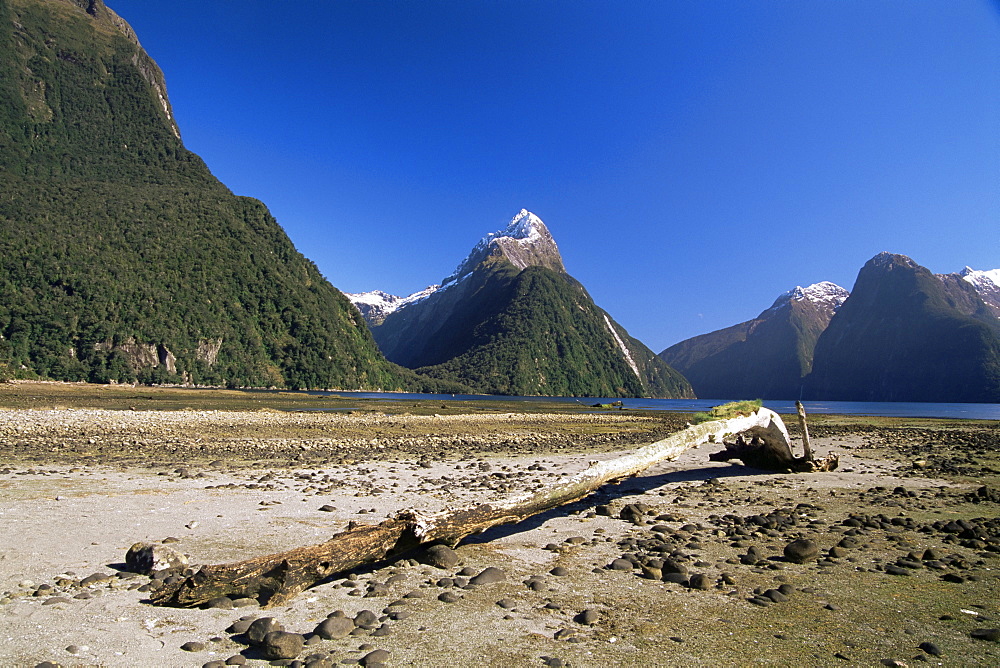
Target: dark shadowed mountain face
<point>766,357</point>
<point>121,256</point>
<point>908,335</point>
<point>510,320</point>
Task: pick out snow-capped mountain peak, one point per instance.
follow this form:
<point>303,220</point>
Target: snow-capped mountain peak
<point>524,242</point>
<point>825,294</point>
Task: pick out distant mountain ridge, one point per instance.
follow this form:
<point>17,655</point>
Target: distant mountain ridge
<point>510,320</point>
<point>902,334</point>
<point>766,357</point>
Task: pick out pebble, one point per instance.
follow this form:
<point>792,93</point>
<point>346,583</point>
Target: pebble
<point>193,646</point>
<point>240,626</point>
<point>992,635</point>
<point>440,556</point>
<point>930,648</point>
<point>261,627</point>
<point>800,551</point>
<point>56,599</point>
<point>333,628</point>
<point>366,619</point>
<point>282,645</point>
<point>375,657</point>
<point>490,575</point>
<point>621,565</point>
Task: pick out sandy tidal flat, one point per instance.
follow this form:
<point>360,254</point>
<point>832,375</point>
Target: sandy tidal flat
<point>682,565</point>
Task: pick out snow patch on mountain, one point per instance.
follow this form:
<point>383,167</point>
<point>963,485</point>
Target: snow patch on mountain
<point>980,280</point>
<point>376,305</point>
<point>524,241</point>
<point>621,344</point>
<point>986,284</point>
<point>824,294</point>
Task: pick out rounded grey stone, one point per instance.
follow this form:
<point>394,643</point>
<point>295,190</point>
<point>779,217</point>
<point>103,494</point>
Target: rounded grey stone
<point>282,645</point>
<point>332,628</point>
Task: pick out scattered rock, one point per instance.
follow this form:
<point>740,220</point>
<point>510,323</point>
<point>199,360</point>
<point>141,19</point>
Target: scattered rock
<point>333,628</point>
<point>282,645</point>
<point>366,619</point>
<point>800,551</point>
<point>992,635</point>
<point>490,575</point>
<point>261,627</point>
<point>375,657</point>
<point>930,648</point>
<point>440,556</point>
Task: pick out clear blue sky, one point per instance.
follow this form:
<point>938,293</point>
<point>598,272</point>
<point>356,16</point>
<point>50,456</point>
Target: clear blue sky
<point>693,159</point>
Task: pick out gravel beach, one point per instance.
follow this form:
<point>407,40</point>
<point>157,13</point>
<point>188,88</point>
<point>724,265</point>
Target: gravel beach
<point>890,560</point>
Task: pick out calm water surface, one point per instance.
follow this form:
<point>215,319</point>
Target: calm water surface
<point>884,409</point>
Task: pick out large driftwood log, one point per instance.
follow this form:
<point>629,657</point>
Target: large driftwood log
<point>276,578</point>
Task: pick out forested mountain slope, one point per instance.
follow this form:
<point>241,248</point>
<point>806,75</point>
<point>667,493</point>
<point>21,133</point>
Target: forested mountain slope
<point>121,256</point>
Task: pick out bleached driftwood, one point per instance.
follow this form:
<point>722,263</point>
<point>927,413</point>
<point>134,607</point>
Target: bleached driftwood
<point>775,454</point>
<point>276,578</point>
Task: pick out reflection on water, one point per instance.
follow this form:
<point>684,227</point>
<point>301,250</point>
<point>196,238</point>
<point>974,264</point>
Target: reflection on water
<point>884,409</point>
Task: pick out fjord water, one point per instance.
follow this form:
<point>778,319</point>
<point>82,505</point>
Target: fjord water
<point>874,408</point>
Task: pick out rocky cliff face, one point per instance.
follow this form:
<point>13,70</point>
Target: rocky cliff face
<point>908,335</point>
<point>766,357</point>
<point>509,320</point>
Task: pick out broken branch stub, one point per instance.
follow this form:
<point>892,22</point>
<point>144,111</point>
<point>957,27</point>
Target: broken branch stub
<point>276,578</point>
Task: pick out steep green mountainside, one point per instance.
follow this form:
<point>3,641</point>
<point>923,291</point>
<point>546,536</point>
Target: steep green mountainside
<point>766,357</point>
<point>121,256</point>
<point>906,335</point>
<point>534,331</point>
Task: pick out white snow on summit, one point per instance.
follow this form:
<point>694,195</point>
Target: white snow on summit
<point>523,226</point>
<point>525,232</point>
<point>981,279</point>
<point>823,293</point>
